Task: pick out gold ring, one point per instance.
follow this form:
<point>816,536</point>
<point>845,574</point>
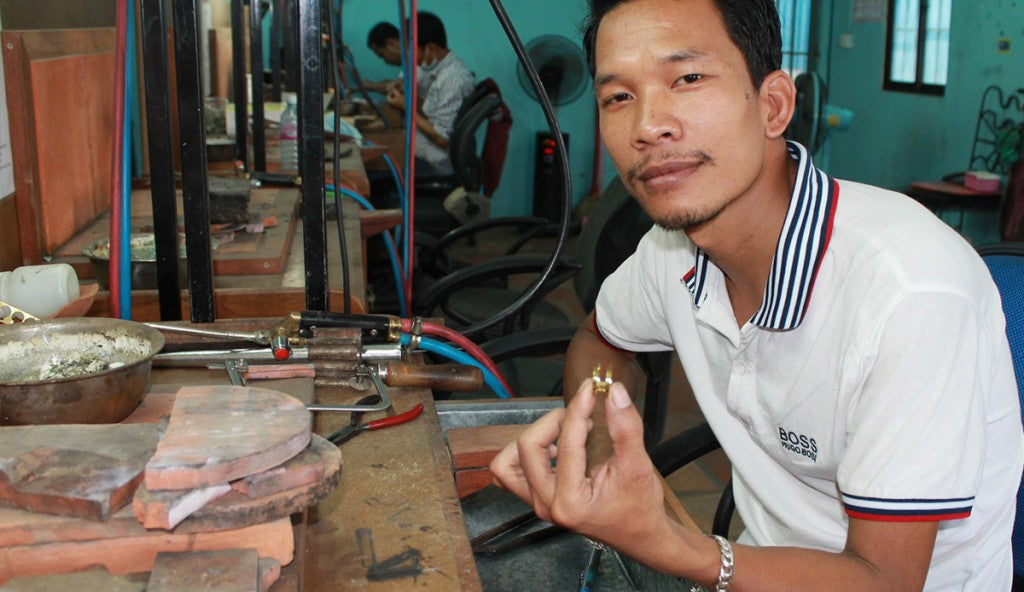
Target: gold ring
<point>601,384</point>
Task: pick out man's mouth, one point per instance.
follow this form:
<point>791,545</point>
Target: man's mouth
<point>666,171</point>
<point>672,168</point>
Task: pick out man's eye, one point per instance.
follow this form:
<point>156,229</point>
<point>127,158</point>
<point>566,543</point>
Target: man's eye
<point>691,78</point>
<point>615,98</point>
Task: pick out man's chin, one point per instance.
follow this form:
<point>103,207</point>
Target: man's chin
<point>684,221</point>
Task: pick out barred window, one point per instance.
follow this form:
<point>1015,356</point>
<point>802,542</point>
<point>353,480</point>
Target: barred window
<point>917,46</point>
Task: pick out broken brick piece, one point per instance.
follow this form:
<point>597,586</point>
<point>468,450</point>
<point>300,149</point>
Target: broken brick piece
<point>220,433</point>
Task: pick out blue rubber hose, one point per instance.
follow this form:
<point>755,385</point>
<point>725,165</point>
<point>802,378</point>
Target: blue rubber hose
<point>457,355</point>
<point>125,286</point>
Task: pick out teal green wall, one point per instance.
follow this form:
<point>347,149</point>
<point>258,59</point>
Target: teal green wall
<point>897,138</point>
<point>475,34</point>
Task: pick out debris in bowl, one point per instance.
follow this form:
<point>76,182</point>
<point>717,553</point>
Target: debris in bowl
<point>63,356</point>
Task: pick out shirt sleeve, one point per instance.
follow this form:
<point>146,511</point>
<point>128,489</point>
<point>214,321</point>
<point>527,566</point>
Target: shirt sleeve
<point>916,439</point>
<point>629,311</point>
<point>443,100</point>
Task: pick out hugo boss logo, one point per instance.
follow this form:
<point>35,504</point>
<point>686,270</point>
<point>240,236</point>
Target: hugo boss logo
<point>799,443</point>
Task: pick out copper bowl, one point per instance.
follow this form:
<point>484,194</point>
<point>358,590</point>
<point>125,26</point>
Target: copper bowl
<point>76,370</point>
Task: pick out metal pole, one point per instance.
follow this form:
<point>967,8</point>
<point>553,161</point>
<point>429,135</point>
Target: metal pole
<point>238,83</point>
<point>276,12</point>
<point>311,152</point>
<point>161,159</point>
<point>259,144</point>
<point>290,36</point>
<point>195,192</point>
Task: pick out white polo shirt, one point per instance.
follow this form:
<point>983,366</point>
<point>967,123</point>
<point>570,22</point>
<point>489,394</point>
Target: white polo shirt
<point>889,395</point>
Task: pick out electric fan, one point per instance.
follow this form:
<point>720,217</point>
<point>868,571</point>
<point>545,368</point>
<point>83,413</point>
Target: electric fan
<point>561,66</point>
<point>562,69</point>
<point>813,117</point>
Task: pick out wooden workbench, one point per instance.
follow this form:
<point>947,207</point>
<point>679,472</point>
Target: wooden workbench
<point>396,505</point>
<point>396,500</point>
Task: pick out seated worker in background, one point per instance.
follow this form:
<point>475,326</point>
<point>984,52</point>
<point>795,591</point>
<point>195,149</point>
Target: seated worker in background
<point>443,82</point>
<point>385,41</point>
<point>846,347</point>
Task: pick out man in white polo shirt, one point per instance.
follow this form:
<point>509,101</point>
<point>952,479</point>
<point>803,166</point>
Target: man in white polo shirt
<point>846,347</point>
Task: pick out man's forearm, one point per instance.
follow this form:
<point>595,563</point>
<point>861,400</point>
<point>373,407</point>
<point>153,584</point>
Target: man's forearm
<point>587,350</point>
<point>895,558</point>
<point>430,131</point>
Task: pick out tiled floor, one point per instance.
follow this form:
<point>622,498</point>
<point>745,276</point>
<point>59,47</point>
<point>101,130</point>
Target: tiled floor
<point>698,485</point>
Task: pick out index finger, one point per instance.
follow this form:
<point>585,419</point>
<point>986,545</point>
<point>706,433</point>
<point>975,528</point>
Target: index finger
<point>508,465</point>
<point>571,469</point>
<point>534,447</point>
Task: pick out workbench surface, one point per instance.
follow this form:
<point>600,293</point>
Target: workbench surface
<point>394,522</point>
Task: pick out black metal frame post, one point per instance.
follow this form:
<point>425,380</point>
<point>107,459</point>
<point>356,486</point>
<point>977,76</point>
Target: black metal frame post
<point>161,159</point>
<point>259,142</point>
<point>195,191</point>
<point>290,37</point>
<point>238,83</point>
<point>276,8</point>
<point>311,152</point>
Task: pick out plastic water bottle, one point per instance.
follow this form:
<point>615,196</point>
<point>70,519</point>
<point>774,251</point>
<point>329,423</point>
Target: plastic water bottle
<point>290,134</point>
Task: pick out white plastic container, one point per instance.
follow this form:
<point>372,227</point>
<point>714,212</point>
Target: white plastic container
<point>39,290</point>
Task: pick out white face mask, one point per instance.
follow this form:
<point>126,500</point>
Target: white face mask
<point>428,66</point>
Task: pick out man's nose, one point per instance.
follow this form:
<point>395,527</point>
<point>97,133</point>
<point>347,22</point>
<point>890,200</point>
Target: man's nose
<point>657,119</point>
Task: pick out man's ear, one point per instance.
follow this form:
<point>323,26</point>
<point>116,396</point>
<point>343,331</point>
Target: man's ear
<point>778,93</point>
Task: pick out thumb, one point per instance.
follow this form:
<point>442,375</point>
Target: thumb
<point>625,426</point>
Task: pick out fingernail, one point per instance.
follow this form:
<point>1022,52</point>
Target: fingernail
<point>620,398</point>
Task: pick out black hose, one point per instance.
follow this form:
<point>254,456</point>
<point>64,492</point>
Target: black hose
<point>563,162</point>
<point>340,218</point>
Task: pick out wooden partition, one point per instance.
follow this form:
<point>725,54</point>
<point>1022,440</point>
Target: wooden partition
<point>10,248</point>
<point>60,101</point>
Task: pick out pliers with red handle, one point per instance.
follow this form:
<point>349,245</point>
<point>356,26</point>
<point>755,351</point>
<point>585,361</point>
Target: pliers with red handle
<point>354,427</point>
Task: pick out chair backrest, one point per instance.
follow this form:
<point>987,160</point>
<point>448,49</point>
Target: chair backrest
<point>477,170</point>
<point>613,229</point>
<point>466,159</point>
<point>1011,210</point>
<point>1006,263</point>
<point>998,132</point>
<point>614,226</point>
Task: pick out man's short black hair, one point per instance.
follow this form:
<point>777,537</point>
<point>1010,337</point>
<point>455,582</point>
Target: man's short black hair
<point>380,33</point>
<point>753,25</point>
<point>430,29</point>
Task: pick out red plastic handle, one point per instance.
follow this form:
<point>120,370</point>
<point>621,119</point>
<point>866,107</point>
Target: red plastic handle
<point>396,419</point>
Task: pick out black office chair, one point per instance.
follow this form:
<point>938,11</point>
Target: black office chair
<point>1005,262</point>
<point>483,106</point>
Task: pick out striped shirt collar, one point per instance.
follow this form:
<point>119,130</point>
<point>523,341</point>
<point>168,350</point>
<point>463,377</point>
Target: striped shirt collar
<point>802,244</point>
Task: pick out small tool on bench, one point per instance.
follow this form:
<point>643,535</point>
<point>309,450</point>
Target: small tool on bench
<point>354,427</point>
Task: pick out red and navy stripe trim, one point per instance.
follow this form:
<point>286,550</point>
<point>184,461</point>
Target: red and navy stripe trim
<point>907,509</point>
